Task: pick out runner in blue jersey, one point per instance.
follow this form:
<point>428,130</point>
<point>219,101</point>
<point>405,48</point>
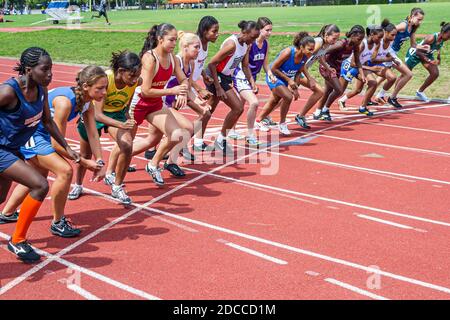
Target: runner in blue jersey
<point>23,105</point>
<point>287,68</point>
<point>45,155</point>
<point>405,30</point>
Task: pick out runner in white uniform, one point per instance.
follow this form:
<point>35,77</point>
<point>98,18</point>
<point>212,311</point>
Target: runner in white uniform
<point>221,68</point>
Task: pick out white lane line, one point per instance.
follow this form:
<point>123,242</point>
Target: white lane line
<point>393,146</point>
<point>405,127</point>
<point>88,272</point>
<point>328,199</point>
<point>431,115</point>
<point>355,289</point>
<point>85,294</point>
<point>285,246</point>
<point>253,252</point>
<point>179,225</point>
<point>398,225</point>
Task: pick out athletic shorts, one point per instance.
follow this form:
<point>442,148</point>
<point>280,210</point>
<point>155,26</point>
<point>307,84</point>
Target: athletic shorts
<point>348,72</point>
<point>328,75</point>
<point>241,84</point>
<point>38,145</point>
<point>119,116</point>
<point>140,111</point>
<point>277,83</point>
<point>412,61</point>
<point>226,82</point>
<point>8,158</point>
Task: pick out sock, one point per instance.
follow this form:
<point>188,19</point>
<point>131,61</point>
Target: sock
<point>325,109</point>
<point>28,211</point>
<point>381,94</point>
<point>198,142</point>
<point>150,166</point>
<point>344,98</point>
<point>317,112</point>
<point>220,138</point>
<point>362,108</point>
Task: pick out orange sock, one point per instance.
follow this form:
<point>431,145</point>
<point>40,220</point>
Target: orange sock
<point>28,211</point>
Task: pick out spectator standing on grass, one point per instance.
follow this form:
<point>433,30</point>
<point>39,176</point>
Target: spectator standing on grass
<point>102,11</point>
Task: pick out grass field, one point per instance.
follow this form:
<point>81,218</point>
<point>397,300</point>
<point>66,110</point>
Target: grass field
<point>90,45</point>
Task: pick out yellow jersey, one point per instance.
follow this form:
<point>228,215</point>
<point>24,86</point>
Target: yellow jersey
<point>116,100</point>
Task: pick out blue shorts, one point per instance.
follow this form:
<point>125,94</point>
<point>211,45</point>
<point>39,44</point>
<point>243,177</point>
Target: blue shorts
<point>348,72</point>
<point>38,145</point>
<point>8,158</point>
<point>278,83</point>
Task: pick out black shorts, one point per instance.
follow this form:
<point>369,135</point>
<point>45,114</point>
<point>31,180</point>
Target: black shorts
<point>226,82</point>
<point>102,13</point>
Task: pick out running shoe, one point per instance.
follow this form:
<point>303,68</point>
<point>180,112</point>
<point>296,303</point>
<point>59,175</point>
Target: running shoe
<point>203,147</point>
<point>269,122</point>
<point>155,173</point>
<point>23,251</point>
<point>301,121</point>
<point>75,193</point>
<point>365,111</point>
<point>224,148</point>
<point>342,105</point>
<point>174,169</point>
<point>9,219</point>
<point>252,141</point>
<point>284,129</point>
<point>64,228</point>
<point>235,135</point>
<point>187,154</point>
<point>110,179</point>
<point>393,102</point>
<point>422,96</point>
<point>325,115</point>
<point>119,193</point>
<point>262,126</point>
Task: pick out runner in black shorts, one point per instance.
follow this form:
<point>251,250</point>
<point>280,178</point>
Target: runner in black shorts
<point>102,12</point>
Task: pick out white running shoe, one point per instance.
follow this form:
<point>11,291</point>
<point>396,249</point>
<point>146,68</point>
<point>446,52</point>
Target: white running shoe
<point>235,135</point>
<point>284,129</point>
<point>110,179</point>
<point>422,96</point>
<point>261,126</point>
<point>119,193</point>
<point>75,193</point>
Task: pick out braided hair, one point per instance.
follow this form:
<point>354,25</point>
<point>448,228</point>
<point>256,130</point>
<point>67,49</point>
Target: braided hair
<point>30,58</point>
<point>89,75</point>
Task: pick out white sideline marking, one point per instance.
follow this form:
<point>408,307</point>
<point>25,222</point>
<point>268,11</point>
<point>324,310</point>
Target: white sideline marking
<point>355,289</point>
<point>82,292</point>
<point>254,252</point>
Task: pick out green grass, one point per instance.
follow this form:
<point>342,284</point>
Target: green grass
<point>93,47</point>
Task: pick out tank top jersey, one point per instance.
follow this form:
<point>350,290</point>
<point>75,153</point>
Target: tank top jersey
<point>320,53</point>
<point>117,99</point>
<point>366,54</point>
<point>160,81</point>
<point>255,60</point>
<point>435,46</point>
<point>69,94</point>
<point>17,126</point>
<point>228,65</point>
<point>200,62</point>
<point>335,58</point>
<point>173,82</point>
<point>401,37</point>
<point>289,67</point>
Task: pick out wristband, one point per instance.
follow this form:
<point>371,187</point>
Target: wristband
<point>100,162</point>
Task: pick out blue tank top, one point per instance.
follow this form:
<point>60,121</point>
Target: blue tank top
<point>401,37</point>
<point>18,126</point>
<point>289,67</point>
<point>57,92</point>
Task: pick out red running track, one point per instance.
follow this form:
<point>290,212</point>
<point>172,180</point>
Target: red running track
<point>354,209</point>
